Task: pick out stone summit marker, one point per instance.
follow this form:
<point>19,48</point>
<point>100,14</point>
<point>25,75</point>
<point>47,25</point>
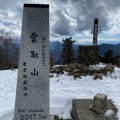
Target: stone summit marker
<point>32,95</point>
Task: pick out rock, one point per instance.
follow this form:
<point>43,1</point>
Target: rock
<point>109,68</point>
<point>76,71</point>
<point>57,70</point>
<point>80,110</point>
<point>62,72</point>
<point>63,67</point>
<point>68,70</point>
<point>92,71</point>
<point>100,103</point>
<point>97,77</point>
<point>50,76</point>
<point>76,75</point>
<point>72,67</point>
<point>75,64</point>
<point>81,66</point>
<point>83,70</point>
<point>56,118</point>
<point>102,71</point>
<point>70,73</point>
<point>52,70</point>
<point>51,117</point>
<point>110,65</point>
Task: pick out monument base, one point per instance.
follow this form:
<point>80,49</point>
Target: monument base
<point>88,55</point>
<point>80,110</point>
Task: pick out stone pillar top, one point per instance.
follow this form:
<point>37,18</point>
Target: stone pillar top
<point>101,96</point>
<point>37,5</point>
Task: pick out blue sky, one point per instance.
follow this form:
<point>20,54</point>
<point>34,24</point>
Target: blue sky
<point>68,18</point>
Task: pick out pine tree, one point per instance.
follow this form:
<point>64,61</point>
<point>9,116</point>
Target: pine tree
<point>67,52</point>
<point>109,58</point>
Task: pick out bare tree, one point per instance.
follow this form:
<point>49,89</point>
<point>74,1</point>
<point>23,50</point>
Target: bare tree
<point>8,51</point>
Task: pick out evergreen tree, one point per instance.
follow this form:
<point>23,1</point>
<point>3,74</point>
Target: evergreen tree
<point>67,52</point>
<point>109,58</point>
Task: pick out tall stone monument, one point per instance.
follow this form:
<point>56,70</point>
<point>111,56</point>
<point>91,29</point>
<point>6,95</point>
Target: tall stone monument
<point>32,95</point>
<point>95,31</point>
<point>89,54</point>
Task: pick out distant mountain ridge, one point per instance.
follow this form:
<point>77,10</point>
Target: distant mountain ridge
<point>104,47</point>
<point>57,46</point>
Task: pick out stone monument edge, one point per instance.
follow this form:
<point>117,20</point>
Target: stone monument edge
<point>36,5</point>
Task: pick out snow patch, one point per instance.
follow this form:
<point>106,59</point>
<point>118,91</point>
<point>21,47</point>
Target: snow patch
<point>97,66</point>
<point>108,113</point>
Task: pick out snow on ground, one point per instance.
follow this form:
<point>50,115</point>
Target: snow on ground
<point>98,66</point>
<point>8,81</point>
<point>108,113</point>
<point>63,89</point>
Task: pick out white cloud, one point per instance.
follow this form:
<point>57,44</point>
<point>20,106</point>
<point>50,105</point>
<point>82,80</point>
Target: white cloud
<point>87,33</point>
<point>53,39</point>
<point>89,41</point>
<point>84,41</point>
<point>54,34</point>
<point>114,23</point>
<point>108,39</point>
<point>115,29</point>
<point>78,14</point>
<point>11,14</point>
<point>79,35</point>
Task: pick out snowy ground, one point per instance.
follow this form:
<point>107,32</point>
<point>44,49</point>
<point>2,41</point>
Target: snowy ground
<point>62,90</point>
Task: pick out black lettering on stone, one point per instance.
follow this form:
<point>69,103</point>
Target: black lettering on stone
<point>19,110</point>
<point>26,117</point>
<point>43,51</point>
<point>43,38</point>
<point>33,37</point>
<point>22,117</point>
<point>25,88</point>
<point>25,94</point>
<point>25,82</point>
<point>96,25</point>
<point>96,29</point>
<point>33,54</point>
<point>24,76</point>
<point>24,70</point>
<point>24,64</point>
<point>34,72</point>
<point>23,110</point>
<point>42,116</point>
